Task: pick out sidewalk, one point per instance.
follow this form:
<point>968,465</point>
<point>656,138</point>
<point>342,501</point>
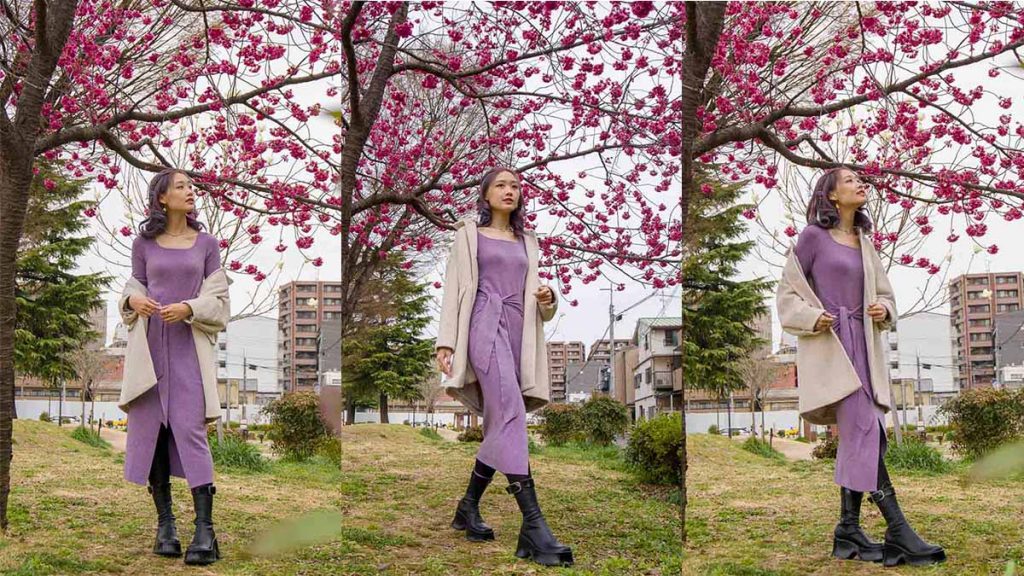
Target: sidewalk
<point>118,439</point>
<point>791,449</point>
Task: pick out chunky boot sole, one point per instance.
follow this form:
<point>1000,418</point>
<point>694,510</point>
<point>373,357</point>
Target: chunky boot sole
<point>460,524</point>
<point>847,550</point>
<point>170,549</point>
<point>894,556</point>
<point>526,551</point>
<point>203,557</point>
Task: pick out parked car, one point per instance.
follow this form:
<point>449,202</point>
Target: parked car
<point>735,431</point>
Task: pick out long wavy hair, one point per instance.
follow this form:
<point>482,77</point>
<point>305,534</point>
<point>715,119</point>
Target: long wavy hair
<point>156,222</point>
<point>824,212</point>
<point>483,207</point>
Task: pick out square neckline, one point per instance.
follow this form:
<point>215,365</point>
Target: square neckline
<point>479,233</point>
<point>194,243</point>
<point>833,238</point>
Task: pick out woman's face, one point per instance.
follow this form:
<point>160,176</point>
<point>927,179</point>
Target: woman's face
<point>179,196</point>
<point>850,190</point>
<point>503,193</point>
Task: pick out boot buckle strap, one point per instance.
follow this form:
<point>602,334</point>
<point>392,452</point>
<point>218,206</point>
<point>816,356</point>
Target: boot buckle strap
<point>518,486</point>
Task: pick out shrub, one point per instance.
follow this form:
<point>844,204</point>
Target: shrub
<point>755,445</point>
<point>562,424</point>
<point>296,429</point>
<point>713,430</point>
<point>826,448</point>
<point>655,449</point>
<point>430,433</point>
<point>89,436</point>
<point>602,419</point>
<point>45,417</point>
<point>915,455</point>
<point>329,448</point>
<point>234,452</point>
<point>472,434</point>
<point>983,419</point>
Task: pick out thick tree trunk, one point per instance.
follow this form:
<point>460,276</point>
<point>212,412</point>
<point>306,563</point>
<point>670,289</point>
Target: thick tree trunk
<point>17,153</point>
<point>704,22</point>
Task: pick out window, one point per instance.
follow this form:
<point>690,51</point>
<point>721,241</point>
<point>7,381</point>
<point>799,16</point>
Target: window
<point>982,281</point>
<point>974,295</point>
<point>648,375</point>
<point>305,315</point>
<point>670,338</point>
<point>979,309</point>
<point>976,322</point>
<point>1006,307</point>
<point>636,381</point>
<point>1006,293</point>
<point>1006,279</point>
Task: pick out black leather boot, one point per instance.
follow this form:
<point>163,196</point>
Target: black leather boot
<point>167,543</point>
<point>535,538</point>
<point>203,549</point>
<point>849,542</point>
<point>467,514</point>
<point>902,544</point>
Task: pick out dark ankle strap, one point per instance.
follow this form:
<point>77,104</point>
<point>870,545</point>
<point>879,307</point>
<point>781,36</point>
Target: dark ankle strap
<point>879,495</point>
<point>482,477</point>
<point>205,488</point>
<point>519,486</point>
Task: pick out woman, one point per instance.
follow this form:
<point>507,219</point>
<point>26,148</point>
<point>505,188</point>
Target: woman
<point>491,347</point>
<point>174,305</point>
<point>835,296</point>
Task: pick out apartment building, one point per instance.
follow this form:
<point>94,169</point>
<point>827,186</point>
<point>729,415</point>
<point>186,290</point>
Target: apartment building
<point>303,306</point>
<point>975,300</point>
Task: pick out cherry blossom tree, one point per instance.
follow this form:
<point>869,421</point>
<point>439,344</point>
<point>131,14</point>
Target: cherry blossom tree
<point>115,89</point>
<point>774,85</point>
<point>581,98</point>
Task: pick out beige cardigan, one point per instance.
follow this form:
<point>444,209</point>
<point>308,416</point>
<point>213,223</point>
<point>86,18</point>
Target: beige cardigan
<point>460,285</point>
<point>211,310</point>
<point>824,372</point>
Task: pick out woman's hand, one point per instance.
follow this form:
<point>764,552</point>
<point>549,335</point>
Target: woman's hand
<point>175,312</point>
<point>144,305</point>
<point>824,322</point>
<point>544,294</point>
<point>444,360</point>
<point>877,312</point>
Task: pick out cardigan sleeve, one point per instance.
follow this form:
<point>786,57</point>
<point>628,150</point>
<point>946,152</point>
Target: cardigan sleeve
<point>449,322</point>
<point>884,294</point>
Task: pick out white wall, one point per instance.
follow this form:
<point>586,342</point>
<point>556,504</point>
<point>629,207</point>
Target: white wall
<point>31,409</point>
<point>698,422</point>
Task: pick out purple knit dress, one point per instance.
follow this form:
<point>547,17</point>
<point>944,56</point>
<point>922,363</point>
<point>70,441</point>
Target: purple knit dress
<point>836,273</point>
<point>495,345</point>
<point>171,275</point>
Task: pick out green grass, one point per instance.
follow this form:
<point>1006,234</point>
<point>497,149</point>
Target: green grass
<point>749,515</point>
<point>90,437</point>
<point>915,456</point>
<point>71,512</point>
<point>757,446</point>
<point>400,489</point>
<point>430,433</point>
<point>238,454</point>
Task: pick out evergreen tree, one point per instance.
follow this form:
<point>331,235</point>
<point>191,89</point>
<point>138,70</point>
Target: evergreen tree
<point>386,357</point>
<point>718,310</point>
<point>54,303</point>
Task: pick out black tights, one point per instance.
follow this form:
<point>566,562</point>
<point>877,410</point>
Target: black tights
<point>487,472</point>
<point>160,470</point>
<point>883,474</point>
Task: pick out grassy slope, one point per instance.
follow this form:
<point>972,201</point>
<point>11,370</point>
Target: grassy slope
<point>400,490</point>
<point>751,516</point>
<point>72,513</point>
